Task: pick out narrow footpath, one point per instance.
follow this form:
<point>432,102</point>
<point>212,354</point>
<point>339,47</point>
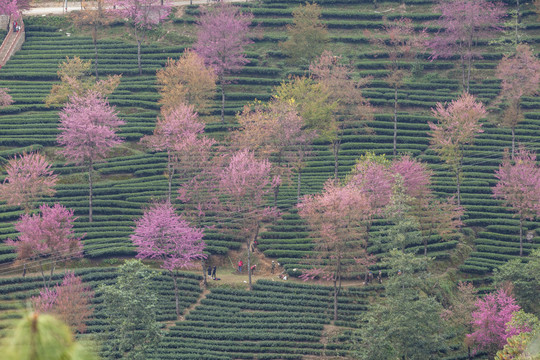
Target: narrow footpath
<point>57,8</point>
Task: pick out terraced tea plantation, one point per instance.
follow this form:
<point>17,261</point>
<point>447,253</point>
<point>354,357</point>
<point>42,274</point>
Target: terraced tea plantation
<point>277,320</point>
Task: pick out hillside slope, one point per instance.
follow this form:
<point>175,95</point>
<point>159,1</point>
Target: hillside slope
<point>133,176</point>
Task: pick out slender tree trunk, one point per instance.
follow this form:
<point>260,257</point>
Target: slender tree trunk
<point>395,120</point>
<point>469,65</point>
<point>521,236</point>
<point>222,100</point>
<point>335,299</point>
<point>170,175</point>
<point>337,279</point>
<point>176,295</point>
<point>203,264</point>
<point>138,51</point>
<point>368,228</point>
<point>139,56</point>
<point>53,266</point>
<point>249,254</point>
<point>459,171</point>
<point>339,282</point>
<point>335,149</point>
<point>513,141</point>
<point>90,195</point>
<point>458,188</point>
<point>249,264</point>
<point>463,71</point>
<point>298,181</point>
<point>276,193</point>
<point>470,41</point>
<point>469,352</point>
<point>42,274</point>
<point>94,39</point>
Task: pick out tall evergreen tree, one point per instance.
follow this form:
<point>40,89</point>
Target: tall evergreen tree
<point>406,324</point>
<point>131,309</point>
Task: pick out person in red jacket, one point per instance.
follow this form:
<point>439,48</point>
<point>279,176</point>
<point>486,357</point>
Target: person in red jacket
<point>240,264</point>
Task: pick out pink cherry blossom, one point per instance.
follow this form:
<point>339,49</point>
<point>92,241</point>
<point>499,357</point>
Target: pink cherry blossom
<point>29,177</point>
<point>47,236</point>
<point>519,186</point>
<point>163,235</point>
<point>489,320</point>
<point>5,98</point>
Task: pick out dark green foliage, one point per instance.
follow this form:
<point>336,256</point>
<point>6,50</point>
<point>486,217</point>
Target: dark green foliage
<point>526,280</point>
<point>406,323</point>
<point>131,311</point>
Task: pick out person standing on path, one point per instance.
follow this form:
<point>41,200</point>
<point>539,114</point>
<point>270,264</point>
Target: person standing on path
<point>273,266</point>
<point>240,264</point>
<point>214,273</point>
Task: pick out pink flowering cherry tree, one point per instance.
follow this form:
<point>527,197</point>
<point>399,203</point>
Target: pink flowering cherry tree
<point>179,132</point>
<point>376,177</point>
<point>143,15</point>
<point>244,182</point>
<point>88,126</point>
<point>458,123</point>
<point>45,301</point>
<point>434,215</point>
<point>337,217</point>
<point>462,23</point>
<point>70,301</point>
<point>48,236</point>
<point>520,76</point>
<point>373,177</point>
<point>13,8</point>
<point>222,34</point>
<point>163,235</point>
<point>519,187</point>
<point>489,321</point>
<point>29,177</point>
<point>415,175</point>
<point>5,98</point>
<point>275,130</point>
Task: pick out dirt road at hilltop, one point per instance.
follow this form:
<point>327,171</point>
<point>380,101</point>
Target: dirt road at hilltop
<point>56,8</point>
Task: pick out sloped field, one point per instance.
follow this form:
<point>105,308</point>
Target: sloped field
<point>283,321</point>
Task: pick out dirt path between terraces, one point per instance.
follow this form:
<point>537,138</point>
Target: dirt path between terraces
<point>56,8</point>
<point>226,274</point>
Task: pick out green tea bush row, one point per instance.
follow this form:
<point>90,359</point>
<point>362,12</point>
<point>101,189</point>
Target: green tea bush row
<point>473,269</point>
